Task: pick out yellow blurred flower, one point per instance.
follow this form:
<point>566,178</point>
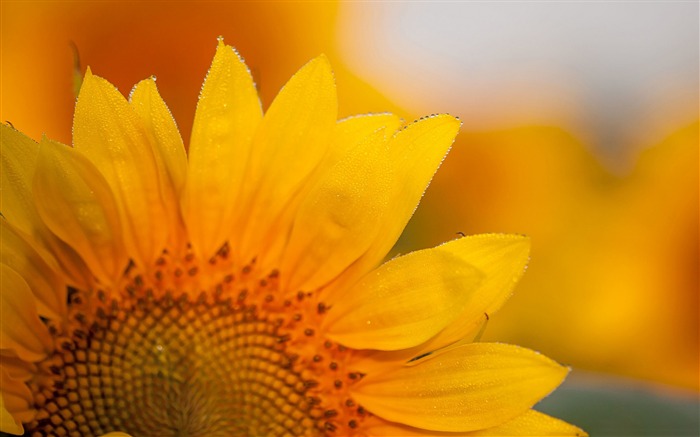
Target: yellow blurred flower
<point>613,282</point>
<point>235,289</point>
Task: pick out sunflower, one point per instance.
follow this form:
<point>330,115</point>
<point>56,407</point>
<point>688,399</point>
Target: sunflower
<point>237,288</point>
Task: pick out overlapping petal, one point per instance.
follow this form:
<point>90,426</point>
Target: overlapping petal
<point>416,152</point>
<point>168,150</point>
<point>531,423</point>
<point>501,258</point>
<point>18,166</point>
<point>21,328</point>
<point>351,131</point>
<point>76,203</point>
<point>107,130</point>
<point>227,117</point>
<point>348,134</point>
<point>290,143</point>
<point>404,302</point>
<point>48,287</point>
<point>15,404</point>
<point>19,154</point>
<point>476,386</point>
<point>16,367</point>
<point>339,218</point>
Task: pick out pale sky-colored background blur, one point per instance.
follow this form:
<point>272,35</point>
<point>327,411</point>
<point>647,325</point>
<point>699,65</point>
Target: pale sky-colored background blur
<point>619,74</point>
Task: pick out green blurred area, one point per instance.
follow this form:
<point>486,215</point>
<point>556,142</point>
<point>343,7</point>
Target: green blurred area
<point>609,406</point>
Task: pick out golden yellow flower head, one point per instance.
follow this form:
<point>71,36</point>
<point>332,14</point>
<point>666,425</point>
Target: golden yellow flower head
<point>236,288</point>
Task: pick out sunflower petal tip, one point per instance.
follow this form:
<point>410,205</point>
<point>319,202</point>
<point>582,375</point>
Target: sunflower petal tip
<point>221,45</point>
<point>322,63</point>
<point>454,118</point>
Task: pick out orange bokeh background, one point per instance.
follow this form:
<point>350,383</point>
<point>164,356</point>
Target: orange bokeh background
<point>613,281</point>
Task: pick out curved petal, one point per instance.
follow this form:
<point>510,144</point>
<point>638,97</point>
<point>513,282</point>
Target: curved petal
<point>169,151</point>
<point>228,114</point>
<point>416,151</point>
<point>17,167</point>
<point>290,143</point>
<point>20,327</point>
<point>107,130</point>
<point>76,203</point>
<point>47,286</point>
<point>15,404</point>
<point>348,134</point>
<point>404,302</point>
<point>502,258</point>
<point>19,155</point>
<point>468,388</point>
<point>72,267</point>
<point>531,423</point>
<point>8,423</point>
<point>338,219</point>
<point>160,124</point>
<point>16,367</point>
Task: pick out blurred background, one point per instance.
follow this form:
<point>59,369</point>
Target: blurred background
<point>580,130</point>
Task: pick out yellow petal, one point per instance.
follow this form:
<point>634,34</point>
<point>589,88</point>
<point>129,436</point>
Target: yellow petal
<point>71,266</point>
<point>472,387</point>
<point>404,302</point>
<point>116,434</point>
<point>16,367</point>
<point>160,124</point>
<point>339,217</point>
<point>531,423</point>
<point>168,149</point>
<point>20,327</point>
<point>18,165</point>
<point>290,143</point>
<point>227,116</point>
<point>417,152</point>
<point>15,404</point>
<point>111,135</point>
<point>47,286</point>
<point>76,203</point>
<point>349,132</point>
<point>502,259</point>
<point>19,154</point>
<point>8,423</point>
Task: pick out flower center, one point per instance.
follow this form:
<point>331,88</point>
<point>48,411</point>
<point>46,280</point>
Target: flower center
<point>229,359</point>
